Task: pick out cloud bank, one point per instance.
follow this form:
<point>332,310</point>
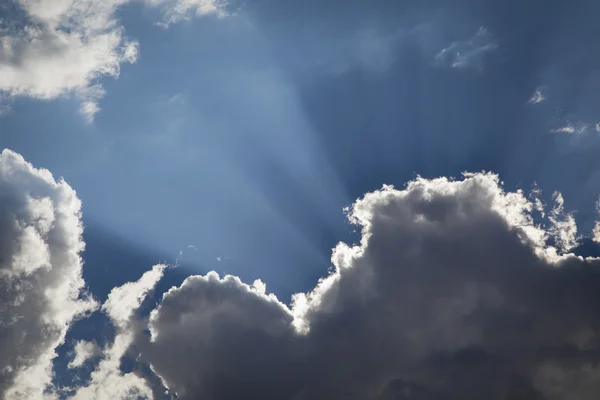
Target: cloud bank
<point>457,290</point>
<point>454,292</point>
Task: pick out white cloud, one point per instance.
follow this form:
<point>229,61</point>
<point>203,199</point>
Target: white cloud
<point>40,274</point>
<point>571,126</point>
<point>124,300</point>
<point>596,230</point>
<point>564,228</point>
<point>179,10</point>
<point>538,96</point>
<point>108,383</point>
<point>453,290</point>
<point>468,53</point>
<point>66,47</point>
<point>83,351</point>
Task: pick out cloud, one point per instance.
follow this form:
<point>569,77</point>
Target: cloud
<point>179,10</point>
<point>596,230</point>
<point>108,382</point>
<point>41,289</point>
<point>64,47</point>
<point>453,292</point>
<point>5,109</point>
<point>200,338</point>
<point>538,96</point>
<point>468,53</point>
<point>83,351</point>
<point>564,228</point>
<point>67,47</point>
<point>572,127</point>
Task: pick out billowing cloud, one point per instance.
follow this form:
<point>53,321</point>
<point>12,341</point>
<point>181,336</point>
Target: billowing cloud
<point>65,47</point>
<point>468,53</point>
<point>454,292</point>
<point>221,339</point>
<point>83,351</point>
<point>108,382</point>
<point>40,274</point>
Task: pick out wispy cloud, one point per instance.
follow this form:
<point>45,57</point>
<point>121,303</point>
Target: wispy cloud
<point>5,109</point>
<point>538,96</point>
<point>180,10</point>
<point>468,53</point>
<point>571,127</point>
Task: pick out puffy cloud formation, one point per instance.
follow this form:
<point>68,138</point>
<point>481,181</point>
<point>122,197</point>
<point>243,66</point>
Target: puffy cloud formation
<point>454,292</point>
<point>108,383</point>
<point>40,274</point>
<point>62,47</point>
<point>83,351</point>
<point>66,46</point>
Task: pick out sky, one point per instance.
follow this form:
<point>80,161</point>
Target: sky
<point>299,199</point>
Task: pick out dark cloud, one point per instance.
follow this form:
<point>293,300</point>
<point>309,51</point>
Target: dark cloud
<point>452,293</point>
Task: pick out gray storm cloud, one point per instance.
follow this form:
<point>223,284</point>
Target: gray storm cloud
<point>454,292</point>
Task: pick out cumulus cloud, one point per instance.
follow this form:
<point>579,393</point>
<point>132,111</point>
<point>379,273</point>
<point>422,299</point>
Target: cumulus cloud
<point>468,53</point>
<point>40,274</point>
<point>220,338</point>
<point>453,292</point>
<point>108,382</point>
<point>66,47</point>
<point>83,351</point>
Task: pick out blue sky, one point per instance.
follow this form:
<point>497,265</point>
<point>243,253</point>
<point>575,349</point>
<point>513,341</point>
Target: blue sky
<point>231,136</point>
